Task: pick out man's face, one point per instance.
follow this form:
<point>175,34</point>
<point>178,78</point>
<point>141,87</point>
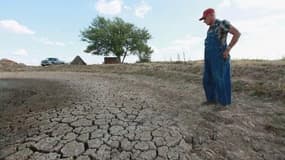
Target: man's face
<point>210,19</point>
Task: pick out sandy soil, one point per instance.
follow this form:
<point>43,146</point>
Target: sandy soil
<point>134,114</point>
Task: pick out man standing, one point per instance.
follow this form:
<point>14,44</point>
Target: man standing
<point>217,77</point>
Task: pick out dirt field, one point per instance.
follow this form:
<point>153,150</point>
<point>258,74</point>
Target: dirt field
<point>140,111</point>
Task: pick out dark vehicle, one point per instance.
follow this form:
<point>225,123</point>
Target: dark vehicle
<point>51,61</point>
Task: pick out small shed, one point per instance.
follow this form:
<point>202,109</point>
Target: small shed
<point>111,60</point>
<point>78,61</point>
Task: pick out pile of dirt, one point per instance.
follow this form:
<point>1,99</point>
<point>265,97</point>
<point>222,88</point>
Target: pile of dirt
<point>7,64</point>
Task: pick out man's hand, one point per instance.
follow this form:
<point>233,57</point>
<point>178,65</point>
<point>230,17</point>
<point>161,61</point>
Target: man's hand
<point>226,53</point>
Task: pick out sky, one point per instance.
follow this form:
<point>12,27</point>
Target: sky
<point>33,30</point>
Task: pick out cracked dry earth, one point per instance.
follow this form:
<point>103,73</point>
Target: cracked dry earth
<point>107,122</point>
<point>89,116</point>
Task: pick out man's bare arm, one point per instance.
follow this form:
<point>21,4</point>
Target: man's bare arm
<point>236,34</point>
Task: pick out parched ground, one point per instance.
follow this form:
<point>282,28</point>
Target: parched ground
<point>140,111</point>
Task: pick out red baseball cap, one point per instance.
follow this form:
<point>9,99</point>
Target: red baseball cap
<point>207,12</point>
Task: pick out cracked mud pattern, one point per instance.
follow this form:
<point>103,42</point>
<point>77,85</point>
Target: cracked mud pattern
<point>95,116</point>
<point>105,123</point>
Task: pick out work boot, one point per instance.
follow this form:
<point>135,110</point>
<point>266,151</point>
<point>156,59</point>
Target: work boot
<point>208,103</point>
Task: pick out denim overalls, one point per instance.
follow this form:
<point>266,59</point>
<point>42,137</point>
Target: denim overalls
<point>217,76</point>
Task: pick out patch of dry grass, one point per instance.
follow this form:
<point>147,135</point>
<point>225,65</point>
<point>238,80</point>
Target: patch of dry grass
<point>277,124</point>
<point>260,78</point>
<point>265,79</point>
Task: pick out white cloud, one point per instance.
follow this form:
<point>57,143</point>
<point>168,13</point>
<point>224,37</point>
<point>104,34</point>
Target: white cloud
<point>260,4</point>
<point>109,7</point>
<point>115,7</point>
<point>190,45</point>
<point>15,27</point>
<point>128,8</point>
<point>46,41</point>
<point>20,52</point>
<point>225,3</point>
<point>262,25</point>
<point>142,9</point>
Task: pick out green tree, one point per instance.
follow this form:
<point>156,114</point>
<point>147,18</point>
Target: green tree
<point>116,37</point>
<point>145,56</point>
